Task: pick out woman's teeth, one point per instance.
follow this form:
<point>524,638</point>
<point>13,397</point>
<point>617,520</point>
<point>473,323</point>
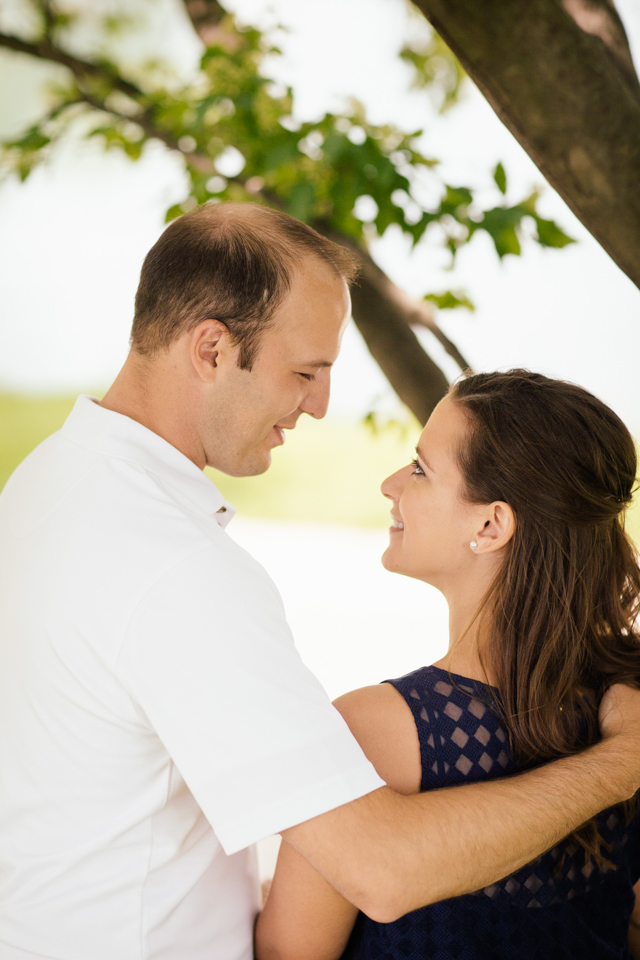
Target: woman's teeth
<point>398,524</point>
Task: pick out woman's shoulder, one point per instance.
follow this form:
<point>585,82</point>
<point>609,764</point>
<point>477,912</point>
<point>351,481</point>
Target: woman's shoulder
<point>384,726</point>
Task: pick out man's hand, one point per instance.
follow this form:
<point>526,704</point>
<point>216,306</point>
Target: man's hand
<point>619,718</point>
<point>620,712</point>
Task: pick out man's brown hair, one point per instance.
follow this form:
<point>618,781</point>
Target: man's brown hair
<point>231,262</point>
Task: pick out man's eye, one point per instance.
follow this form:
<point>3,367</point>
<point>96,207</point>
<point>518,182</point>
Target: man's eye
<point>307,376</point>
<point>417,469</point>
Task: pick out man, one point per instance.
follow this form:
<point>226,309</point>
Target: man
<point>155,717</point>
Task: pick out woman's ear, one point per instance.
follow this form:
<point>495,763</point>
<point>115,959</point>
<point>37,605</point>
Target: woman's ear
<point>498,527</point>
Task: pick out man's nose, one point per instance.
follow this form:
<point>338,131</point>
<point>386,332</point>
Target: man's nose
<point>316,402</point>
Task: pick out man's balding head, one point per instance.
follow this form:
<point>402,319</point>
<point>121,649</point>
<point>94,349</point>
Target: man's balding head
<point>231,262</point>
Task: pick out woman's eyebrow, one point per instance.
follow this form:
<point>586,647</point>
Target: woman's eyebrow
<point>423,459</point>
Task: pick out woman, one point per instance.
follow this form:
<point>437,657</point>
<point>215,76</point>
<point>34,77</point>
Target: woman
<point>513,509</point>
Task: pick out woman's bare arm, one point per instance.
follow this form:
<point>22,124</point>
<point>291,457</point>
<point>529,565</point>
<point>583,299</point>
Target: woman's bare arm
<point>389,854</point>
<point>512,821</point>
<point>304,916</point>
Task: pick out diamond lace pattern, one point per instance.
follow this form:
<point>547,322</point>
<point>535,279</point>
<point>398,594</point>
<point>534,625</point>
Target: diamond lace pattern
<point>556,908</point>
<point>465,747</point>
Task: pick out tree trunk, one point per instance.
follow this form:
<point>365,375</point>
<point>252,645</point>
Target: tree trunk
<point>383,313</point>
<point>559,75</point>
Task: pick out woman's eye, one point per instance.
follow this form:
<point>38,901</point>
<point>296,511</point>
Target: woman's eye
<point>417,469</point>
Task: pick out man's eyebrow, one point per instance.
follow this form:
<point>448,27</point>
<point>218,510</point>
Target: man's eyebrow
<point>423,458</point>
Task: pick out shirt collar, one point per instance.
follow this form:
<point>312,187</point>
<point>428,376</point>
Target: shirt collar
<point>114,435</point>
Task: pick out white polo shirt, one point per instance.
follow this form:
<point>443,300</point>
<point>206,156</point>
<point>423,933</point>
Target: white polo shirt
<point>155,718</point>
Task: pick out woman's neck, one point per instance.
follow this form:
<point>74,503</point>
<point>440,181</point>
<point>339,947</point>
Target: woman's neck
<point>468,643</point>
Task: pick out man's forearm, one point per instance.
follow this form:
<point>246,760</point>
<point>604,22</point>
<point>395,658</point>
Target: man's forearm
<point>390,854</point>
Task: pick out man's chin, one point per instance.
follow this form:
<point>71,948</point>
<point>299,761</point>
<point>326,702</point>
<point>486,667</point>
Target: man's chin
<point>258,467</point>
<point>249,467</point>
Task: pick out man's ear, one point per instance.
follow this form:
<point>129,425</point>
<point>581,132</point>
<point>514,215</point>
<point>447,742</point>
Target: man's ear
<point>206,343</point>
<point>497,529</point>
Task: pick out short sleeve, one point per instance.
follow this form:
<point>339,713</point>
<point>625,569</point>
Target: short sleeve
<point>209,658</point>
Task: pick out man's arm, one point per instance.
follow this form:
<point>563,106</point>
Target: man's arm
<point>389,854</point>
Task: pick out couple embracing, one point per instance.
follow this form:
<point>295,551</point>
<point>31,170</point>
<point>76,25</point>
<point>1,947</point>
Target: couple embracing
<point>156,720</point>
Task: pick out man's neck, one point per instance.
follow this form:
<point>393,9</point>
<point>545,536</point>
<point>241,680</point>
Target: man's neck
<point>141,392</point>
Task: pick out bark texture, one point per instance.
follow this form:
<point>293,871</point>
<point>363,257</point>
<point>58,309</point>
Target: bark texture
<point>384,314</point>
<point>559,74</point>
<point>381,317</point>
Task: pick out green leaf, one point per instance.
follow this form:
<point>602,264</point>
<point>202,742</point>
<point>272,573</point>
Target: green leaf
<point>457,197</point>
<point>451,300</point>
<point>234,104</point>
<point>550,234</point>
<point>370,421</point>
<point>435,69</point>
<point>501,223</point>
<point>500,178</point>
<point>33,139</point>
<point>506,241</point>
<point>301,200</point>
<point>281,154</point>
<point>335,145</point>
<point>173,212</point>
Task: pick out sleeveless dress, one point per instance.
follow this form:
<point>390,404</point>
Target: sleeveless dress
<point>559,907</point>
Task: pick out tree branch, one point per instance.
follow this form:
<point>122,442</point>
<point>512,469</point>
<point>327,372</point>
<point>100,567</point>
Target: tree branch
<point>421,314</point>
<point>382,312</point>
<point>559,75</point>
<point>206,16</point>
<point>85,69</point>
<point>45,49</point>
<point>48,16</point>
<point>415,377</point>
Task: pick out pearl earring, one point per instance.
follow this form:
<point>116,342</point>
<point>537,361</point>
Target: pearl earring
<point>473,544</point>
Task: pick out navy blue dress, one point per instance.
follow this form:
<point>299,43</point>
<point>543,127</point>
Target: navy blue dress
<point>556,908</point>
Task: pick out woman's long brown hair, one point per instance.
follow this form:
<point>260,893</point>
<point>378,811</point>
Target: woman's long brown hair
<point>562,610</point>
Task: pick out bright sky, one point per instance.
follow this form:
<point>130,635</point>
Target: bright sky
<point>73,237</point>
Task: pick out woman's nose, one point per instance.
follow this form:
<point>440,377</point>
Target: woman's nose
<point>393,486</point>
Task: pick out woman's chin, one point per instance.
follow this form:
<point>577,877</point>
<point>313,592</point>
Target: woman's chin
<point>393,563</point>
<point>390,562</point>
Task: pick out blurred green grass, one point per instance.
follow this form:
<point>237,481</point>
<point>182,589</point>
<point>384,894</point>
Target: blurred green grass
<point>327,471</point>
<point>24,422</point>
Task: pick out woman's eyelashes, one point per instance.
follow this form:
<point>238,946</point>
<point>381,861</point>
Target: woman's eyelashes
<point>417,469</point>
